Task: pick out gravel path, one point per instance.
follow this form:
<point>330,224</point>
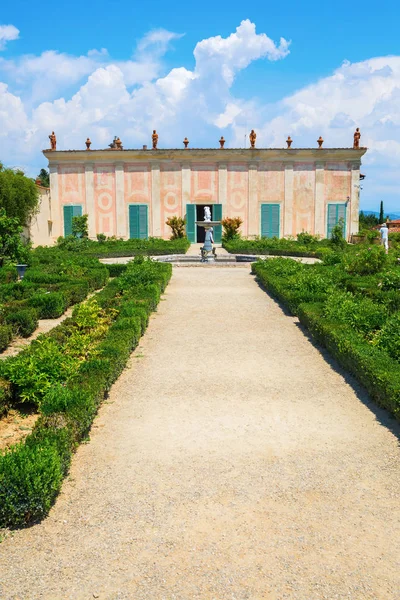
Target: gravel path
<point>231,462</point>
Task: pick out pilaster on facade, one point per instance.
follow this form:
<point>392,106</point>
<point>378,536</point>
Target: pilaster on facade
<point>121,209</point>
<point>354,199</point>
<point>288,204</point>
<point>253,220</point>
<point>89,191</point>
<point>155,209</point>
<point>223,187</point>
<point>319,200</point>
<point>186,186</point>
<point>56,211</point>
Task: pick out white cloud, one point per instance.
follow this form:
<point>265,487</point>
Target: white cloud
<point>8,33</point>
<point>96,96</point>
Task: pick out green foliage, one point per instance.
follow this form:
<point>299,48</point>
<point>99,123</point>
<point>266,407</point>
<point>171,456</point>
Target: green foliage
<point>11,246</point>
<point>177,225</point>
<point>44,177</point>
<point>23,322</point>
<point>101,238</point>
<point>113,248</point>
<point>5,396</point>
<point>367,221</point>
<point>388,338</point>
<point>277,247</point>
<point>80,228</point>
<point>19,195</point>
<point>362,314</point>
<point>306,239</point>
<point>381,214</point>
<point>231,227</point>
<point>337,240</point>
<point>365,261</point>
<point>116,270</point>
<point>49,305</point>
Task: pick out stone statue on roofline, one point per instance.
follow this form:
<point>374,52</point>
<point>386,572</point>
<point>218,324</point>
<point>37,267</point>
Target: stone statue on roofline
<point>154,138</point>
<point>53,141</point>
<point>252,137</point>
<point>357,135</point>
<point>118,144</point>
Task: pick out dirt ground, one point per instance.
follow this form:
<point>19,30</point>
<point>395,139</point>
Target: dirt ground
<point>232,461</point>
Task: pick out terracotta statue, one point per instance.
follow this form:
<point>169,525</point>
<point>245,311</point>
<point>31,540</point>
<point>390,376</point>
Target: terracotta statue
<point>53,141</point>
<point>253,137</point>
<point>289,141</point>
<point>320,141</point>
<point>357,136</point>
<point>154,137</point>
<point>118,144</point>
<point>186,142</point>
<point>88,142</point>
<point>222,141</point>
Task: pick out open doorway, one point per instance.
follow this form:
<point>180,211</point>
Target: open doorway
<point>200,231</point>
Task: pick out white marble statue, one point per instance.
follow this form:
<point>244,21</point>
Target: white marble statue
<point>207,213</point>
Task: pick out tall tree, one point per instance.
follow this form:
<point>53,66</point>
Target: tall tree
<point>381,215</point>
<point>19,195</point>
<point>44,177</point>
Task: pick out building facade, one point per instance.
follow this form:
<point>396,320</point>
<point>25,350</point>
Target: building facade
<point>276,192</point>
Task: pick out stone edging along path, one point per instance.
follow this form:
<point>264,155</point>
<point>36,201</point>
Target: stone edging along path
<point>232,460</point>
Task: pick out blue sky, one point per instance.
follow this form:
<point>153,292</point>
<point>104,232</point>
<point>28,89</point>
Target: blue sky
<point>123,68</point>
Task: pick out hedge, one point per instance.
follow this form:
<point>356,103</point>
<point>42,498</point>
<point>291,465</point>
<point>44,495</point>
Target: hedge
<point>113,248</point>
<point>31,472</point>
<point>371,365</point>
<point>277,247</point>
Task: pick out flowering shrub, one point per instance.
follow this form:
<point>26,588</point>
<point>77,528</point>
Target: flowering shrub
<point>366,261</point>
<point>177,225</point>
<point>231,227</point>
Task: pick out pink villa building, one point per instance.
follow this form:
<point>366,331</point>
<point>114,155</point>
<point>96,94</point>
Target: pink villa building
<point>276,192</point>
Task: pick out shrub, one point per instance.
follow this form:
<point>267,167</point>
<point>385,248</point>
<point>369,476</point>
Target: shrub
<point>116,270</point>
<point>5,396</point>
<point>365,261</point>
<point>231,228</point>
<point>337,240</point>
<point>6,335</point>
<point>177,225</point>
<point>306,238</point>
<point>101,238</point>
<point>388,338</point>
<point>24,321</point>
<point>362,314</point>
<point>50,305</point>
<point>80,226</point>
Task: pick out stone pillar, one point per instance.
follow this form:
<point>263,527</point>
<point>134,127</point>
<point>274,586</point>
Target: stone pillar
<point>186,187</point>
<point>253,219</point>
<point>56,214</point>
<point>121,210</point>
<point>155,208</point>
<point>90,208</point>
<point>288,206</point>
<point>354,208</point>
<point>223,188</point>
<point>319,200</point>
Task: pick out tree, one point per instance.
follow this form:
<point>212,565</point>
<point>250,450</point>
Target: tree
<point>11,245</point>
<point>367,221</point>
<point>19,195</point>
<point>381,214</point>
<point>44,177</point>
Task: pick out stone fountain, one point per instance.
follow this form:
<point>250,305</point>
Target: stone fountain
<point>208,251</point>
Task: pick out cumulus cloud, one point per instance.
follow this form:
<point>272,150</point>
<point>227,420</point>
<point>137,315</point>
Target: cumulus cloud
<point>8,33</point>
<point>96,96</point>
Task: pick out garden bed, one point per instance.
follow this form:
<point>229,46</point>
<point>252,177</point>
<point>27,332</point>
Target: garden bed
<point>114,248</point>
<point>277,247</point>
<point>352,308</point>
<point>66,374</point>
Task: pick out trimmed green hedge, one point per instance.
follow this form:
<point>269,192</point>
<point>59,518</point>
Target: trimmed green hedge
<point>355,336</point>
<point>113,248</point>
<point>277,247</point>
<point>31,472</point>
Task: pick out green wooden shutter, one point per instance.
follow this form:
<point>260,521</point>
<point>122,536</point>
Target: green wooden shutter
<point>217,216</point>
<point>336,212</point>
<point>143,222</point>
<point>191,222</point>
<point>270,220</point>
<point>69,212</point>
<point>133,222</point>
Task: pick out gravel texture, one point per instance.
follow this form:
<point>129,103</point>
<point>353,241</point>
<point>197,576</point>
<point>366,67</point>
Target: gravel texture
<point>233,461</point>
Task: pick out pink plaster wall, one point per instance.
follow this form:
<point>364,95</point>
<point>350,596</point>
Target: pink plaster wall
<point>303,198</point>
<point>337,182</point>
<point>104,199</point>
<point>271,182</point>
<point>170,195</point>
<point>71,188</point>
<point>204,184</point>
<point>238,193</point>
<point>137,188</point>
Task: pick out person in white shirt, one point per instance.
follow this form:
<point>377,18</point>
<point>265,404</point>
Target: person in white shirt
<point>384,231</point>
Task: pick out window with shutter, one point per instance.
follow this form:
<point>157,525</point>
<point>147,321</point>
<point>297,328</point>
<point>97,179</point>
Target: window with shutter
<point>270,220</point>
<point>138,221</point>
<point>335,213</point>
<point>69,212</point>
<point>191,222</point>
<point>217,216</point>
